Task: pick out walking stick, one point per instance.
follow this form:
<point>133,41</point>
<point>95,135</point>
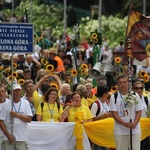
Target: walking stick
<point>12,102</point>
<point>129,55</point>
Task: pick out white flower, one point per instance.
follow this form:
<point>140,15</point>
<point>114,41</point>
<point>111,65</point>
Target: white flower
<point>130,99</point>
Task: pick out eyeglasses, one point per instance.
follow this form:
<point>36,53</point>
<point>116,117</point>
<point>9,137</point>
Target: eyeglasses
<point>141,81</point>
<point>138,88</point>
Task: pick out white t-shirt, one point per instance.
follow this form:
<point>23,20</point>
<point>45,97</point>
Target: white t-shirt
<point>104,108</point>
<point>119,106</point>
<point>3,105</point>
<point>19,127</point>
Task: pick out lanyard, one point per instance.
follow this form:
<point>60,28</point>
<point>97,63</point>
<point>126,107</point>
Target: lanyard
<point>105,107</point>
<point>18,108</point>
<point>51,110</point>
<point>125,104</point>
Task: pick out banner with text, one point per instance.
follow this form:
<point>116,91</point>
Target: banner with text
<point>16,38</point>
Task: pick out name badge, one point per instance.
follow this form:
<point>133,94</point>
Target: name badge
<point>51,120</point>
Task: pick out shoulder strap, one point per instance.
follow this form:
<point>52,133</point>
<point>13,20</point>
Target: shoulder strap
<point>115,96</point>
<point>146,100</point>
<point>42,105</point>
<point>98,109</point>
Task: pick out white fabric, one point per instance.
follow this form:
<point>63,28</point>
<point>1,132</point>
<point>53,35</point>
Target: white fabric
<point>119,107</point>
<point>19,127</point>
<point>144,110</point>
<point>88,52</point>
<point>53,136</point>
<point>104,108</point>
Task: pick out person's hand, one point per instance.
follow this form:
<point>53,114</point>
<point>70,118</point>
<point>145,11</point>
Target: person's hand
<point>130,125</point>
<point>73,103</point>
<point>107,115</point>
<point>56,77</point>
<point>11,138</point>
<point>13,114</point>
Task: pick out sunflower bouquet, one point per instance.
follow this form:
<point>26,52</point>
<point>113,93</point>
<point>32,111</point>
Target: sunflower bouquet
<point>44,62</point>
<point>81,72</point>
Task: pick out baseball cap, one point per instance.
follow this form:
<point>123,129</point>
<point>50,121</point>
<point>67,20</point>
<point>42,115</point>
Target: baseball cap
<point>16,86</point>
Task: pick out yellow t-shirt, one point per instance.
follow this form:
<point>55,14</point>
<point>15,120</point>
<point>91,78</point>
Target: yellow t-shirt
<point>87,113</point>
<point>37,99</point>
<point>90,102</point>
<point>84,102</point>
<point>50,112</point>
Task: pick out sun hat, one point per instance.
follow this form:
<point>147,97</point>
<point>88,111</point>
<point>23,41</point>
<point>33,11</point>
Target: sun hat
<point>5,56</point>
<point>53,50</point>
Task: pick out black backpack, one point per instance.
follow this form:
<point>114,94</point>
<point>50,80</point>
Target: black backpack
<point>145,98</point>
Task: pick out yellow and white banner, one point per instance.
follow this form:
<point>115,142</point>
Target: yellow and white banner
<point>59,136</point>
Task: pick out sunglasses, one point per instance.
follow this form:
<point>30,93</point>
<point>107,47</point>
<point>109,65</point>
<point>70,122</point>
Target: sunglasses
<point>138,88</point>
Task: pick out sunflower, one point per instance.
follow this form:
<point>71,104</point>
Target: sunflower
<point>40,38</point>
<point>113,89</point>
<point>117,60</point>
<point>7,70</point>
<point>83,71</point>
<point>74,72</point>
<point>54,85</point>
<point>125,67</point>
<point>49,68</point>
<point>21,81</point>
<point>94,36</point>
<point>10,78</point>
<point>14,65</point>
<point>44,61</point>
<point>84,66</point>
<point>146,77</point>
<point>142,73</point>
<point>51,75</point>
<point>96,40</point>
<point>1,68</point>
<point>15,74</point>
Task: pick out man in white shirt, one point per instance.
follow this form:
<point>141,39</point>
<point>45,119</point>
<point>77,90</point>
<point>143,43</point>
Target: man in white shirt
<point>122,114</point>
<point>14,124</point>
<point>3,103</point>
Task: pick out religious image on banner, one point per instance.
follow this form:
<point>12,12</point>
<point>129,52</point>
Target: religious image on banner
<point>138,29</point>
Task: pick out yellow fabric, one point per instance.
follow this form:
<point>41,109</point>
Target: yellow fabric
<point>90,102</point>
<point>133,18</point>
<point>94,98</point>
<point>78,130</point>
<point>46,115</point>
<point>87,113</point>
<point>146,93</point>
<point>102,132</point>
<point>84,102</point>
<point>37,99</point>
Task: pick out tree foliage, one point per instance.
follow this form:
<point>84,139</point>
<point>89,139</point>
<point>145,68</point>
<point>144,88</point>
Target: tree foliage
<point>49,13</point>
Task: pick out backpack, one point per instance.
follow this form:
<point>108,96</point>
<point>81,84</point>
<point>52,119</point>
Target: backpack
<point>145,98</point>
<point>98,109</point>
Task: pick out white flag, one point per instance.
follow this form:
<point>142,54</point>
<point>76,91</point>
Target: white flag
<point>8,1</point>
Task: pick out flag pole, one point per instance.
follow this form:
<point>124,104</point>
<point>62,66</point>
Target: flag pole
<point>128,40</point>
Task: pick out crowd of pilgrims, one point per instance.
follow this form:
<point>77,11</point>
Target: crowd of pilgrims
<point>56,90</point>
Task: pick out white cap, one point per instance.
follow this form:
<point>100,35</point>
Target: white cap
<point>16,86</point>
